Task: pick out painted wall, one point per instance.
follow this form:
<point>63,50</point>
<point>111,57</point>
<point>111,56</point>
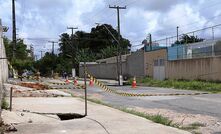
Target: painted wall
<point>149,58</point>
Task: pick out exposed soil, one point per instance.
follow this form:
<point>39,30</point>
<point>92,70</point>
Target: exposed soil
<point>37,86</point>
<point>209,124</point>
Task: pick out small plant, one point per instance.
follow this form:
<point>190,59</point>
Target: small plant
<point>5,104</point>
<point>155,118</point>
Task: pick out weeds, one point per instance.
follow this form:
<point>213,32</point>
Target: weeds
<point>155,118</point>
<point>5,104</point>
<point>181,84</point>
<point>193,126</point>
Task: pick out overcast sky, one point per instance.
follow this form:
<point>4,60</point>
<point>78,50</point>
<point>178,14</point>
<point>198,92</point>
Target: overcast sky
<point>45,20</point>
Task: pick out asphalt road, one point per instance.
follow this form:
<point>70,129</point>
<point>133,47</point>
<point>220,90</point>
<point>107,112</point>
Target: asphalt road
<point>206,104</point>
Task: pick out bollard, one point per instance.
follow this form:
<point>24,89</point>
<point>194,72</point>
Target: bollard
<point>11,98</point>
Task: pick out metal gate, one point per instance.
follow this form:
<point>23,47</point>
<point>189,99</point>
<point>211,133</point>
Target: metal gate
<point>159,69</point>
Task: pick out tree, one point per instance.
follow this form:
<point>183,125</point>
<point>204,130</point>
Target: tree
<point>47,64</point>
<point>186,39</point>
<point>21,61</point>
<point>96,44</point>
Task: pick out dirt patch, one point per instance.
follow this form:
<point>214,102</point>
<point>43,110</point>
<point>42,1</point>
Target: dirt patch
<point>205,124</point>
<point>37,86</point>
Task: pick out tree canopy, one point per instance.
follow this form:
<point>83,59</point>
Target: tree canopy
<point>22,60</point>
<point>186,39</point>
<point>83,46</point>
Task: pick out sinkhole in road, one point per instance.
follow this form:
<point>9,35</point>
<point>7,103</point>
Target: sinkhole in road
<point>69,116</point>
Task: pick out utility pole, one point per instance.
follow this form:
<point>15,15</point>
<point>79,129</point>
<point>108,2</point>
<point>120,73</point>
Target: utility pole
<point>72,30</point>
<point>36,57</point>
<point>41,54</point>
<point>53,42</point>
<point>52,71</point>
<point>177,33</point>
<point>13,28</point>
<point>119,47</point>
<point>150,42</point>
<point>72,46</point>
<point>72,34</point>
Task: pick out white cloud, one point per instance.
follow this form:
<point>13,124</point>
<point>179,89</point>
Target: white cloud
<point>49,18</point>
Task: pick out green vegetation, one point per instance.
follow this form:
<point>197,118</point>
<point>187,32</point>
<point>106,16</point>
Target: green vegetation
<point>80,47</point>
<point>185,39</point>
<point>23,58</point>
<point>5,104</point>
<point>155,118</point>
<point>193,126</point>
<point>181,84</point>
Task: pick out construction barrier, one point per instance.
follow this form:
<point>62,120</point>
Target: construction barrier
<point>107,89</point>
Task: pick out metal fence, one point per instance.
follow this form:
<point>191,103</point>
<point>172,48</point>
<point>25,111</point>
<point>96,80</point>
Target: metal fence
<point>183,48</point>
<point>208,33</point>
<point>195,50</point>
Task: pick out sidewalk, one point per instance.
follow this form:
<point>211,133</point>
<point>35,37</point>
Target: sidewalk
<point>100,120</point>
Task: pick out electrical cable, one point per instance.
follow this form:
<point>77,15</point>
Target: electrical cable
<point>99,124</point>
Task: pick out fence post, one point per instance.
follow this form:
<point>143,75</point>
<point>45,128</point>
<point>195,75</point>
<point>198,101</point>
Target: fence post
<point>11,89</point>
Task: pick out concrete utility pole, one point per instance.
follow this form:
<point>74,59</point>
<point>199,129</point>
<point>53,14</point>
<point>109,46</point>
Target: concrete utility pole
<point>53,42</point>
<point>13,28</point>
<point>72,46</point>
<point>119,46</point>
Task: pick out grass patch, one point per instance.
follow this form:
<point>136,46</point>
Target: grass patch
<point>155,118</point>
<point>212,87</point>
<point>193,126</point>
<point>5,104</point>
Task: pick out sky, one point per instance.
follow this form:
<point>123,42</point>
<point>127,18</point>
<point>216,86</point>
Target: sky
<point>39,21</point>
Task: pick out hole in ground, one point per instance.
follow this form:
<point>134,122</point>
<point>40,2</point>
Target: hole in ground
<point>69,116</point>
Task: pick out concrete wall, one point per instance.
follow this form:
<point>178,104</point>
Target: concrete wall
<point>134,66</point>
<point>113,59</point>
<point>3,64</point>
<point>200,68</point>
<point>149,58</point>
<point>107,71</point>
